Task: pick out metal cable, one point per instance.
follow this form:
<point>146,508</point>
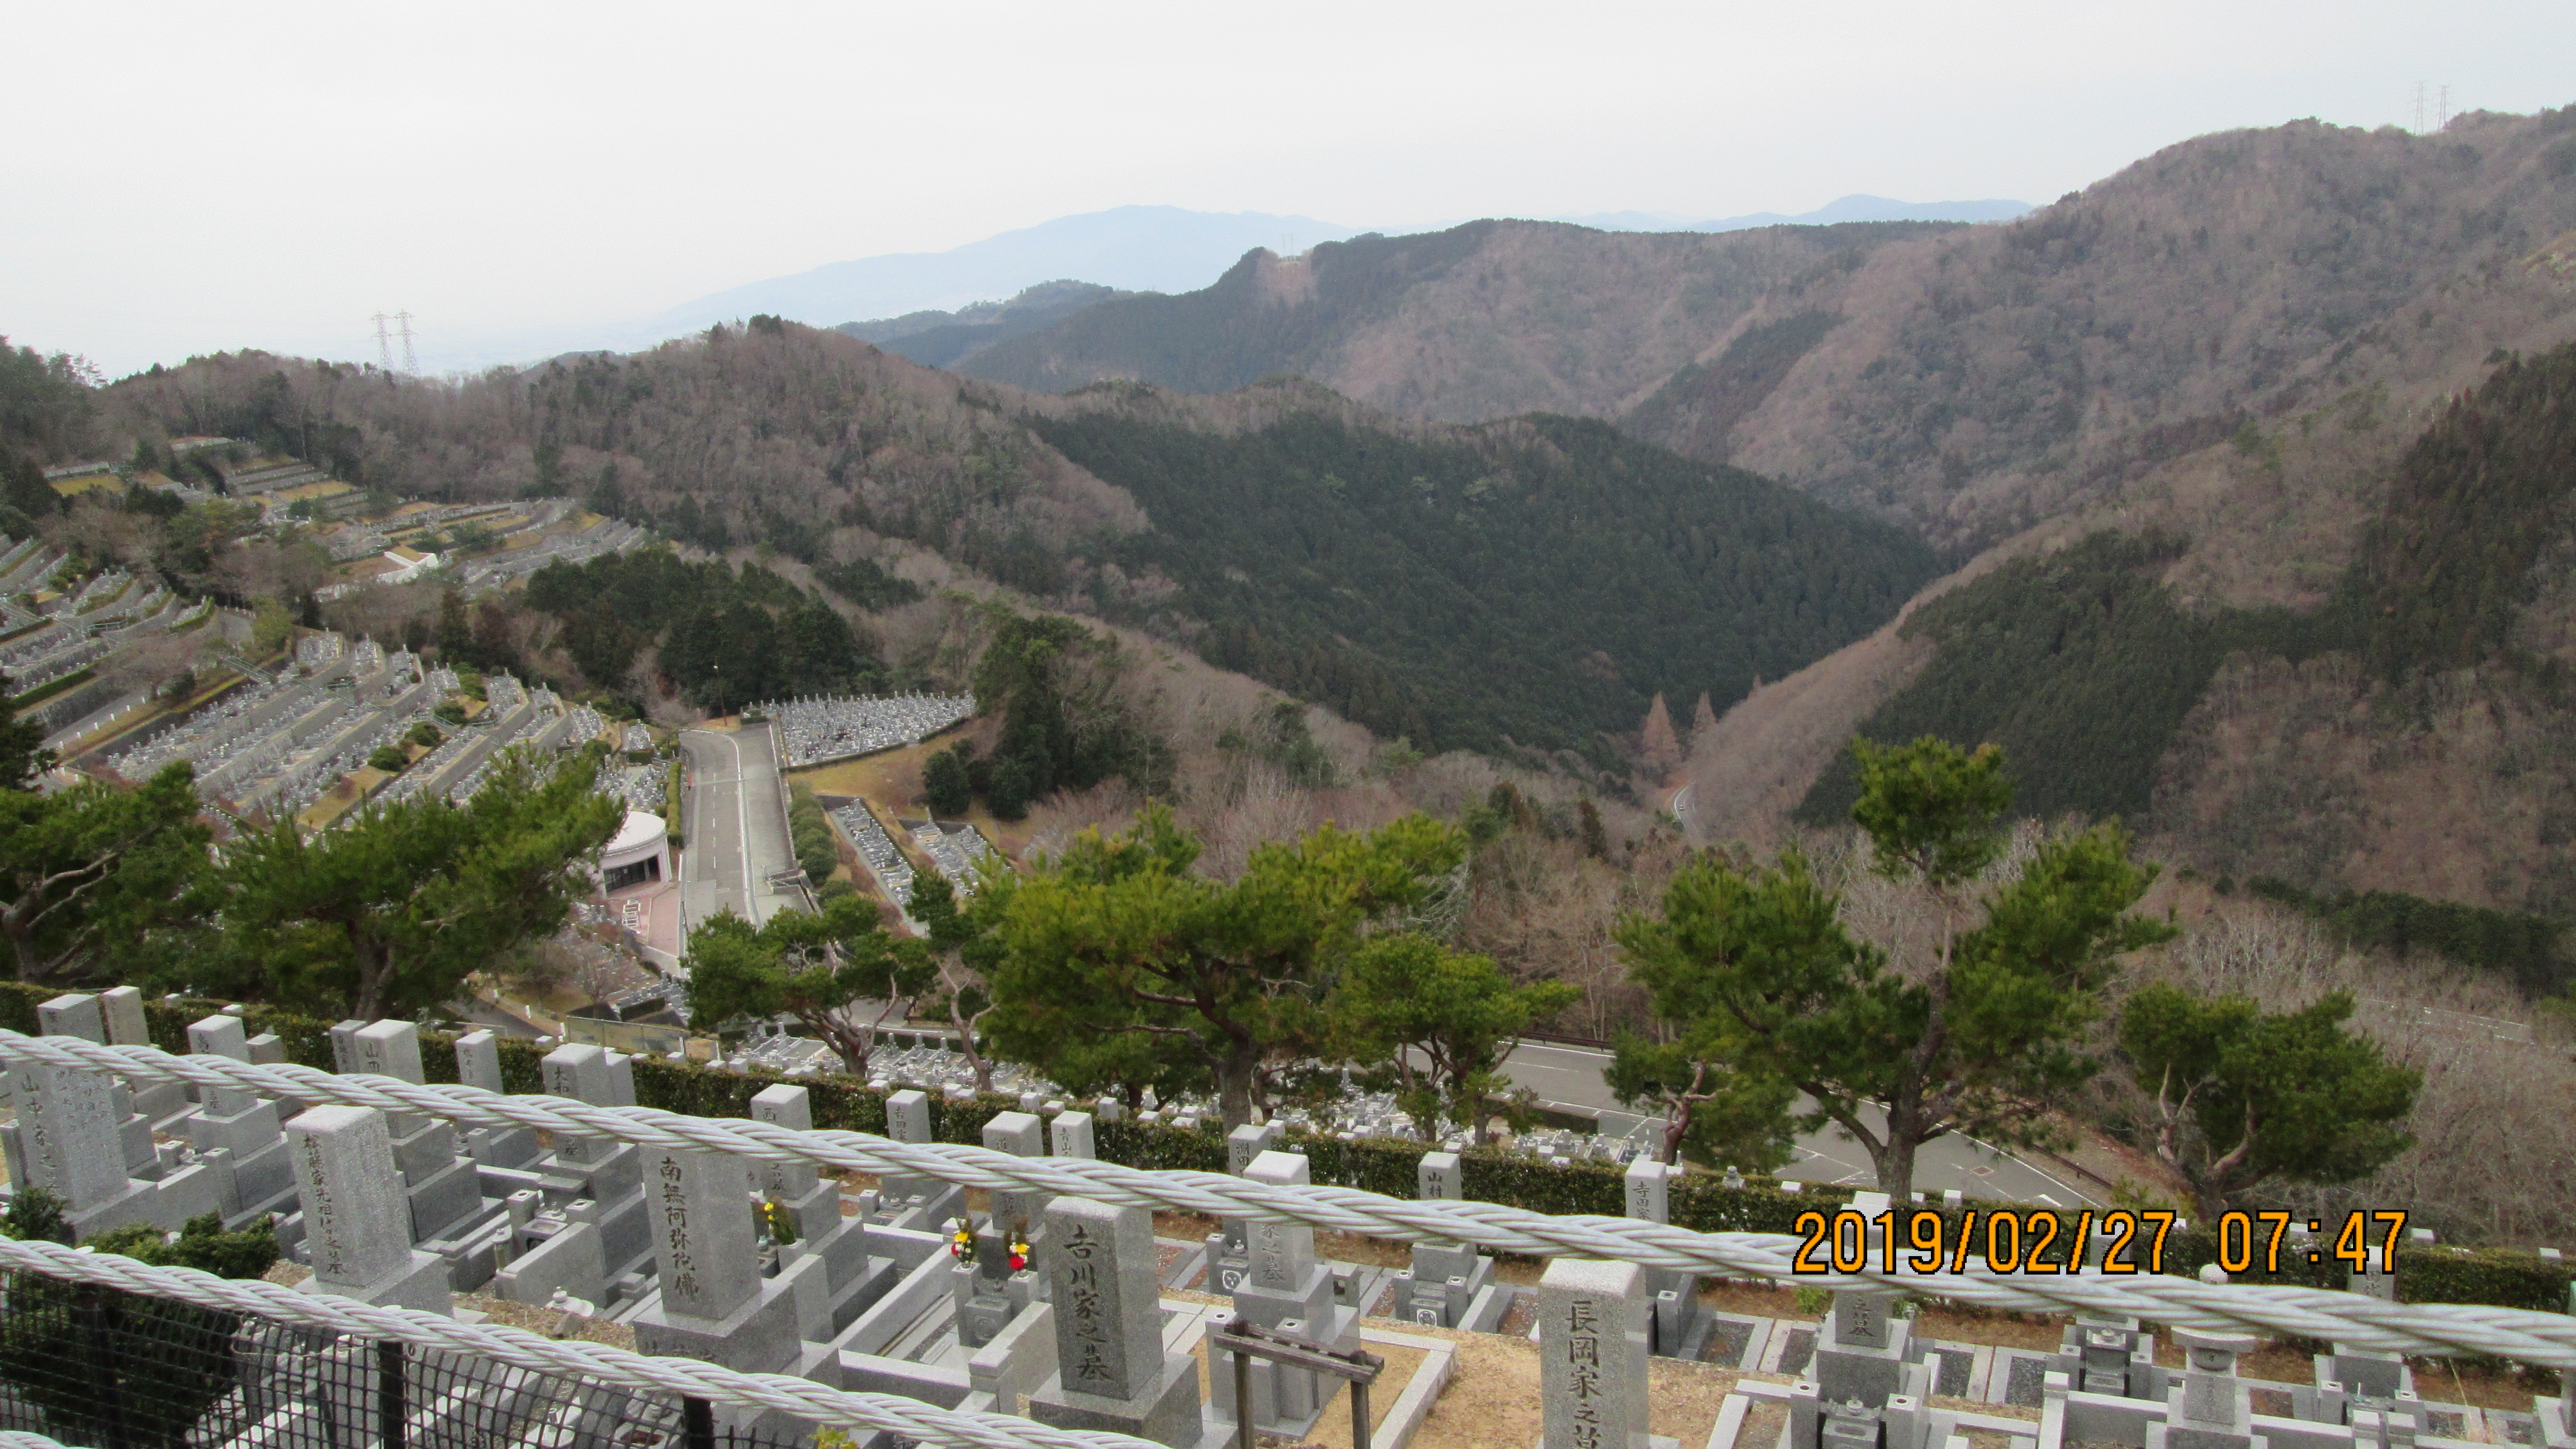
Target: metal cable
<point>2350,1318</point>
<point>600,1362</point>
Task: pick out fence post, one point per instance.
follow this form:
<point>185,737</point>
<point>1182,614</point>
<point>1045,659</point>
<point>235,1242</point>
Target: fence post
<point>91,1305</point>
<point>697,1424</point>
<point>390,1415</point>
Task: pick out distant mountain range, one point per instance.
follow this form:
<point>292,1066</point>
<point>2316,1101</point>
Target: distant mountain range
<point>1127,248</point>
<point>1153,249</point>
<point>1855,207</point>
<point>945,339</point>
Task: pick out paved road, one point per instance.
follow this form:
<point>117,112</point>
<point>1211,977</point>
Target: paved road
<point>1569,1076</point>
<point>735,827</point>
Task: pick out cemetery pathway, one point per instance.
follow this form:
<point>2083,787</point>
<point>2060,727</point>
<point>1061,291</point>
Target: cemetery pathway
<point>735,826</point>
<point>1569,1078</point>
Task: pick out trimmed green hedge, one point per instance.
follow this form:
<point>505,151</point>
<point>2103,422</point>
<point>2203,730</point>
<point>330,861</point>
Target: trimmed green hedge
<point>2500,1277</point>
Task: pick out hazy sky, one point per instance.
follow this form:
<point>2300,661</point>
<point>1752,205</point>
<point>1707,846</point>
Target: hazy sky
<point>191,177</point>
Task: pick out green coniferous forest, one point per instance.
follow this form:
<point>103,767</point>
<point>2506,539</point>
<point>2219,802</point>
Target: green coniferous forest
<point>1537,581</point>
<point>726,638</point>
<point>2082,667</point>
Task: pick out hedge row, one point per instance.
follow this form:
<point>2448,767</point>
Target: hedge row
<point>2500,1277</point>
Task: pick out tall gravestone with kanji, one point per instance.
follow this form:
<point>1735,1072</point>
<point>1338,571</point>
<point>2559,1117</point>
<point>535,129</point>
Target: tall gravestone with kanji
<point>1001,1281</point>
<point>1229,1248</point>
<point>709,1301</point>
<point>356,1225</point>
<point>68,1139</point>
<point>1111,1371</point>
<point>1680,1327</point>
<point>1593,1350</point>
<point>77,1014</point>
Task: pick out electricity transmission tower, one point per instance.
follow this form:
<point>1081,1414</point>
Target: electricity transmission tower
<point>384,344</point>
<point>411,364</point>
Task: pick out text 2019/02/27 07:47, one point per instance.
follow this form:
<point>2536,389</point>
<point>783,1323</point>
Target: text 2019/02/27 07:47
<point>2039,1240</point>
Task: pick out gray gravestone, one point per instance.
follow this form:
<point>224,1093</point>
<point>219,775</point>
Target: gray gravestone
<point>852,1281</point>
<point>126,1025</point>
<point>357,1231</point>
<point>901,1199</point>
<point>1020,1134</point>
<point>1285,1288</point>
<point>703,1236</point>
<point>253,1169</point>
<point>344,1045</point>
<point>1071,1134</point>
<point>1445,1278</point>
<point>72,1014</point>
<point>1592,1372</point>
<point>1680,1329</point>
<point>1111,1370</point>
<point>478,1060</point>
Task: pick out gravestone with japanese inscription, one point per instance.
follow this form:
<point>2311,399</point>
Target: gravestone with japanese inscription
<point>1592,1344</point>
<point>237,1134</point>
<point>901,1200</point>
<point>77,1014</point>
<point>850,1281</point>
<point>1445,1277</point>
<point>69,1140</point>
<point>355,1229</point>
<point>1111,1371</point>
<point>709,1301</point>
<point>1286,1289</point>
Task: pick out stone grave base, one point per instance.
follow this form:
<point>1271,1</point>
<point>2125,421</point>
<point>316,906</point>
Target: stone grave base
<point>758,1337</point>
<point>1167,1412</point>
<point>423,1285</point>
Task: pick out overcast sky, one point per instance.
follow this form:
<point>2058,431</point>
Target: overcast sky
<point>184,178</point>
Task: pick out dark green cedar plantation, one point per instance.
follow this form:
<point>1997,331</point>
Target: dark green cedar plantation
<point>727,638</point>
<point>2077,663</point>
<point>2082,667</point>
<point>1537,581</point>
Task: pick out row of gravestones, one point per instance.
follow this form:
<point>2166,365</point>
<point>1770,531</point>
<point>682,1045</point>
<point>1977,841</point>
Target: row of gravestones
<point>393,1208</point>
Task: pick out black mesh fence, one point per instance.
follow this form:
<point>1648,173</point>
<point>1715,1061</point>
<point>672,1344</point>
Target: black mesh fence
<point>104,1369</point>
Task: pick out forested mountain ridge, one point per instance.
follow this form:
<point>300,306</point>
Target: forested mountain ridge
<point>1534,583</point>
<point>945,339</point>
<point>1969,381</point>
<point>1481,321</point>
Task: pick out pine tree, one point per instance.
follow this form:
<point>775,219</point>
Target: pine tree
<point>1703,717</point>
<point>1661,748</point>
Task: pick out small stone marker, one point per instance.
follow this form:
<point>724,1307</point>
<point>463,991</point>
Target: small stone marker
<point>1071,1135</point>
<point>1020,1134</point>
<point>344,1045</point>
<point>908,1116</point>
<point>1592,1374</point>
<point>123,1007</point>
<point>1439,1178</point>
<point>478,1060</point>
<point>222,1036</point>
<point>72,1014</point>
